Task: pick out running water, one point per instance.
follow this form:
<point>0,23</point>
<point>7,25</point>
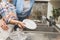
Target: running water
<point>18,35</point>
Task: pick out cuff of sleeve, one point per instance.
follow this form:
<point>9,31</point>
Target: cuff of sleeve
<point>8,20</point>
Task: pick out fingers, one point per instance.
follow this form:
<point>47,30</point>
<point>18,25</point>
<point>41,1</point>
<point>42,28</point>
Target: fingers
<point>4,27</point>
<point>21,25</point>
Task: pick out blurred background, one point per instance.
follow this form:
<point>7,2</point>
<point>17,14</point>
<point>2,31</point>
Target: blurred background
<point>46,8</point>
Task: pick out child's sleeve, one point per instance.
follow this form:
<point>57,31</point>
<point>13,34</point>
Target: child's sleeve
<point>10,14</point>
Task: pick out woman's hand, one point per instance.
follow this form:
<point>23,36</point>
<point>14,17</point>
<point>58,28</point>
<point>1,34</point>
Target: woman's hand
<point>3,25</point>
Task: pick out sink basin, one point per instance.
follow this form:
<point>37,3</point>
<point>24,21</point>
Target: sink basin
<point>44,36</point>
<point>37,35</point>
<point>43,27</point>
<point>42,32</point>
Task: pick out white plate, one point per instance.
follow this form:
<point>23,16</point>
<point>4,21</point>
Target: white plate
<point>30,24</point>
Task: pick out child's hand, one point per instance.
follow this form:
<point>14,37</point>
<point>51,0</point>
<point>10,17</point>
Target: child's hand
<point>21,25</point>
<point>3,25</point>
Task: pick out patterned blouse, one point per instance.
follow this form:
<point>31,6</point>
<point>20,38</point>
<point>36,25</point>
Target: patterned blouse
<point>7,11</point>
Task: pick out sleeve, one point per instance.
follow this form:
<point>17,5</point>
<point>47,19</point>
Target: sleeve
<point>14,2</point>
<point>10,14</point>
<point>1,9</point>
<point>28,10</point>
<point>31,3</point>
<point>19,6</point>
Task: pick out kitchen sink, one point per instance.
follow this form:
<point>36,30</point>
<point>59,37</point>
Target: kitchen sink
<point>42,32</point>
<point>43,27</point>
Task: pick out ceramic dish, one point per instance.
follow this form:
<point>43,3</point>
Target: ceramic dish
<point>30,24</point>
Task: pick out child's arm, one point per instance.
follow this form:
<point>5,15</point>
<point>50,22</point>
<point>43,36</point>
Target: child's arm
<point>11,18</point>
<point>19,23</point>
